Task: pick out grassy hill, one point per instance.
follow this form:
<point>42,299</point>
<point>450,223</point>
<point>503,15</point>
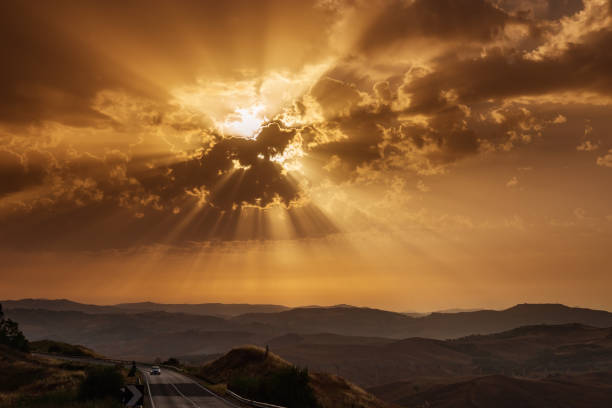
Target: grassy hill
<point>497,391</point>
<point>31,382</point>
<point>64,349</point>
<point>347,320</point>
<point>244,363</point>
<point>533,351</point>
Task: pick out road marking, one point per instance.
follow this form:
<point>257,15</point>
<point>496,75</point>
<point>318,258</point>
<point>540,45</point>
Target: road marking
<point>214,395</point>
<point>183,395</point>
<point>148,388</point>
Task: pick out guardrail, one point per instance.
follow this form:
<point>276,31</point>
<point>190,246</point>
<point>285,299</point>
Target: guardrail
<point>251,402</point>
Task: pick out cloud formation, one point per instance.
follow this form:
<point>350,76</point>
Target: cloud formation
<point>207,121</point>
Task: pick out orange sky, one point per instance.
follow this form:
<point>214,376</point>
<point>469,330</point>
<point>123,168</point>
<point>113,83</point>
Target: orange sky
<point>410,155</point>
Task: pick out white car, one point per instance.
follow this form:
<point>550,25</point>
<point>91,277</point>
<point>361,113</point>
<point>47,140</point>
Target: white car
<point>155,370</point>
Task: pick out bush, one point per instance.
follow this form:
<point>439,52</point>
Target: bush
<point>172,362</point>
<point>287,386</point>
<point>10,334</point>
<point>101,382</point>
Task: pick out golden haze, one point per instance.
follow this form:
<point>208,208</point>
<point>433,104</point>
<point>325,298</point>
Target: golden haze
<point>410,155</point>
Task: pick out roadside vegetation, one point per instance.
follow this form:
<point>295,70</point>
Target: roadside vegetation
<point>287,386</point>
<point>30,382</point>
<point>258,374</point>
<point>63,349</point>
<point>10,335</point>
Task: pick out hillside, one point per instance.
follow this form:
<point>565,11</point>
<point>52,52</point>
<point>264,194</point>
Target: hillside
<point>151,334</point>
<point>135,335</point>
<point>30,382</point>
<point>251,362</point>
<point>348,321</point>
<point>531,350</point>
<point>497,391</point>
<point>63,349</point>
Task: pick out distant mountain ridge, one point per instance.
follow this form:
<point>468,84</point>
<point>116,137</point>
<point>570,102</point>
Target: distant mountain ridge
<point>144,333</point>
<point>209,309</point>
<point>353,321</point>
<point>57,305</point>
<point>214,309</point>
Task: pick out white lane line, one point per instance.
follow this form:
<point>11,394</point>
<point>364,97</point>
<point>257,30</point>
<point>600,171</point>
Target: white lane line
<point>148,388</point>
<point>183,395</point>
<point>214,395</point>
<point>184,377</point>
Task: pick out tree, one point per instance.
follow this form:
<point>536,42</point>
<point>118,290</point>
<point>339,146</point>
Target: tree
<point>10,334</point>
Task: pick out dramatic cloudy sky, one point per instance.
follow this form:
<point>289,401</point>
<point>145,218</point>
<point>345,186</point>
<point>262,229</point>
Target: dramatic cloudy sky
<point>404,154</point>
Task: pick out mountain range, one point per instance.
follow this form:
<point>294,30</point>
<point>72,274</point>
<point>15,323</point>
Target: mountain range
<point>148,330</point>
<point>209,309</point>
<point>442,359</point>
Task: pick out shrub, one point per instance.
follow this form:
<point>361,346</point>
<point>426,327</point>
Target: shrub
<point>172,361</point>
<point>101,382</point>
<point>287,386</point>
<point>10,334</point>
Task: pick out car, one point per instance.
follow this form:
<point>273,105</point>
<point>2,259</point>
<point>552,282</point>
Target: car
<point>155,370</point>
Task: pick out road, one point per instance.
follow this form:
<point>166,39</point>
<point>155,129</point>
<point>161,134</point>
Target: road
<point>174,390</point>
<point>168,390</point>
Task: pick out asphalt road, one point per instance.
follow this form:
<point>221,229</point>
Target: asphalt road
<point>174,390</point>
<point>168,390</point>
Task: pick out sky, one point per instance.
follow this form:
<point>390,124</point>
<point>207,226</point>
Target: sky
<point>411,155</point>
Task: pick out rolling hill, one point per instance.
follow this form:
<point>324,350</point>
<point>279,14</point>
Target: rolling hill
<point>353,321</point>
<point>252,362</point>
<point>527,351</point>
<point>345,320</point>
<point>148,334</point>
<point>498,391</point>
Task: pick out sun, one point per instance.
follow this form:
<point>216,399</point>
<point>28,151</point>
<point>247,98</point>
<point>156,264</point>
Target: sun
<point>245,122</point>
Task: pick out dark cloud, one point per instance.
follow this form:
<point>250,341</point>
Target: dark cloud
<point>584,66</point>
<point>542,9</point>
<point>336,97</point>
<point>60,56</point>
<point>237,172</point>
<point>456,20</point>
<point>16,174</point>
<point>115,202</point>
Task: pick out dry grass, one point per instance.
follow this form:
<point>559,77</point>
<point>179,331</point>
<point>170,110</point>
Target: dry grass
<point>333,391</point>
<point>65,349</point>
<point>30,382</point>
<point>330,391</point>
<point>244,361</point>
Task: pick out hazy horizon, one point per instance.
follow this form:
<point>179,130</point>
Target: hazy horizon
<point>399,310</point>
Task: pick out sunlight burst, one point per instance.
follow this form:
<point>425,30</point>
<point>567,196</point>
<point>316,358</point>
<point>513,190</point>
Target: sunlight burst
<point>245,122</point>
